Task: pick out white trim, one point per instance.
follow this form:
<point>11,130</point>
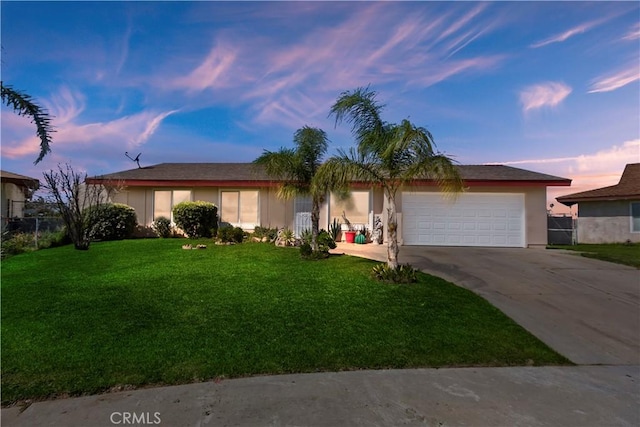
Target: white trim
<point>631,230</point>
<point>243,225</point>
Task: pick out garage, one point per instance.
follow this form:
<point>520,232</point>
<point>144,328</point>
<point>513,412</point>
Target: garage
<point>472,219</point>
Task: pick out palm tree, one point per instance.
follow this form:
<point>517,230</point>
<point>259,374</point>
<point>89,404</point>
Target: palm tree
<point>296,168</point>
<point>24,105</point>
<point>387,155</point>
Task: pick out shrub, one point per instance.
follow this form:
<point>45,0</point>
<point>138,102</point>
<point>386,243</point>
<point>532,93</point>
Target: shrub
<point>196,219</point>
<point>306,251</point>
<point>230,234</point>
<point>325,242</point>
<point>53,239</point>
<point>402,274</point>
<point>267,233</point>
<point>162,227</point>
<point>112,221</point>
<point>285,237</point>
<point>17,243</point>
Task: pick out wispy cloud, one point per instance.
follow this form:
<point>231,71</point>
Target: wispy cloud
<point>66,107</point>
<point>634,33</point>
<point>213,72</point>
<point>617,80</point>
<point>547,94</point>
<point>273,74</point>
<point>587,171</point>
<point>565,35</point>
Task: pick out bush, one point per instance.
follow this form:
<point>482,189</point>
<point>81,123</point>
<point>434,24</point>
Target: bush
<point>325,242</point>
<point>162,227</point>
<point>269,234</point>
<point>17,243</point>
<point>196,219</point>
<point>112,221</point>
<point>229,234</point>
<point>403,274</point>
<point>306,251</point>
<point>53,239</point>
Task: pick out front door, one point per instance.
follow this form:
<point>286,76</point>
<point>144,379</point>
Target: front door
<point>302,215</point>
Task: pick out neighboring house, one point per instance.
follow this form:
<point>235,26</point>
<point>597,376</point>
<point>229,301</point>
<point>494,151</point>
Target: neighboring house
<point>609,214</point>
<point>16,189</point>
<point>502,206</point>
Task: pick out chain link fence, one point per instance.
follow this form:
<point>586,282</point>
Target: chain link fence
<point>21,234</point>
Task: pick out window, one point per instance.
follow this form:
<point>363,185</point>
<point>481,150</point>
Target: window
<point>239,208</point>
<point>635,217</point>
<point>356,208</point>
<point>165,200</point>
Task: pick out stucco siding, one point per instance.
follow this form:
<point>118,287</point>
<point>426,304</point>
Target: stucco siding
<point>12,200</point>
<point>605,222</point>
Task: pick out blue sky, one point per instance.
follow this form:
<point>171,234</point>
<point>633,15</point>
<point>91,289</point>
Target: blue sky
<point>546,86</point>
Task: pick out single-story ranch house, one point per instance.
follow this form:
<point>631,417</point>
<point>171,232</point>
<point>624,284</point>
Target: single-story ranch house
<point>609,214</point>
<point>502,206</point>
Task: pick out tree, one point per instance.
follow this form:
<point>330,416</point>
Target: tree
<point>76,202</point>
<point>387,155</point>
<point>296,168</point>
<point>24,105</point>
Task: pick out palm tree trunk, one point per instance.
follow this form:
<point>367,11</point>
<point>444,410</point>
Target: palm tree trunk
<point>315,220</point>
<point>392,230</point>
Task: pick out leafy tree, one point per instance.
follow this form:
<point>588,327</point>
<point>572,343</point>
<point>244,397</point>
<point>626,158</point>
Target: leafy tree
<point>24,105</point>
<point>388,155</point>
<point>296,168</point>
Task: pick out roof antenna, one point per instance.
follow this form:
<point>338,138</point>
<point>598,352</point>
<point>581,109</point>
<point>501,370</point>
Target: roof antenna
<point>137,159</point>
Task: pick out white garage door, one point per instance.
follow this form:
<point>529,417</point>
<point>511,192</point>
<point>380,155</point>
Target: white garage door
<point>473,219</point>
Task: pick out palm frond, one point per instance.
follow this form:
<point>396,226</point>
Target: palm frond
<point>360,109</point>
<point>24,105</point>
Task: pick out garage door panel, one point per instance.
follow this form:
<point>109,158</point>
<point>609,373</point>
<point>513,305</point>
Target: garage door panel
<point>474,219</point>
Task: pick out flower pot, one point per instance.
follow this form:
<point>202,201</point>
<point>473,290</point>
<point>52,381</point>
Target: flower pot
<point>349,236</point>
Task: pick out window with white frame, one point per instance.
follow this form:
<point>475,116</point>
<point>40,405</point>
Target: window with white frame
<point>239,208</point>
<point>635,217</point>
<point>165,200</point>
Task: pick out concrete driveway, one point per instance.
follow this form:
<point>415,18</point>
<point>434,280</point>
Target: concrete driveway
<point>587,310</point>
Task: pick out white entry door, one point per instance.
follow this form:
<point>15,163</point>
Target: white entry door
<point>473,219</point>
<point>302,215</point>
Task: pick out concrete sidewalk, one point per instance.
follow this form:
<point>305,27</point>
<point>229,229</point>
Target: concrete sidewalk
<point>547,396</point>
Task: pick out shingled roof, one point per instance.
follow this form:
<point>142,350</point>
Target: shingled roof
<point>21,180</point>
<point>627,189</point>
<point>247,174</point>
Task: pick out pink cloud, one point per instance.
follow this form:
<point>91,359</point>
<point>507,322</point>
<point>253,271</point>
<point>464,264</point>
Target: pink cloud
<point>547,94</point>
<point>617,80</point>
<point>333,59</point>
<point>215,71</point>
<point>565,35</point>
<point>587,171</point>
<point>66,107</point>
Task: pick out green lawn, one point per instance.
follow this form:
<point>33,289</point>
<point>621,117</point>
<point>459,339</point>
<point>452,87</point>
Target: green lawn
<point>620,253</point>
<point>148,312</point>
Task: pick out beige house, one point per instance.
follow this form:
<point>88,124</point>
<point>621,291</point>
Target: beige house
<point>15,190</point>
<point>609,214</point>
<point>502,206</point>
